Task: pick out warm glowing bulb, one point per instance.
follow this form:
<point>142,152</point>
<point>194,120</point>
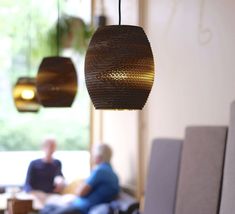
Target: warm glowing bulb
<point>27,94</point>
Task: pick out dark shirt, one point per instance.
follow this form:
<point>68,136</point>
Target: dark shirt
<point>40,175</point>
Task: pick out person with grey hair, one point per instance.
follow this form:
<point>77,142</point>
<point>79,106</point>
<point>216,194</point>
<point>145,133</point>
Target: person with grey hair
<point>101,153</point>
<point>45,174</point>
<point>102,186</point>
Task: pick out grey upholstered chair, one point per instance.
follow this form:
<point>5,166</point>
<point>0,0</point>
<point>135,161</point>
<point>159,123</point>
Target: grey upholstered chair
<point>162,176</point>
<point>228,191</point>
<point>201,170</point>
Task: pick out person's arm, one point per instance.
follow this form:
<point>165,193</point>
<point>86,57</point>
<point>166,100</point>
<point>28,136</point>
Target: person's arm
<point>59,181</point>
<point>29,178</point>
<point>87,187</point>
<point>83,190</point>
<point>59,169</point>
<point>59,184</point>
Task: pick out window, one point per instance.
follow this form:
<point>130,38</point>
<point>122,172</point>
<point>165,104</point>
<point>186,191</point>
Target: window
<point>24,27</point>
<point>23,47</point>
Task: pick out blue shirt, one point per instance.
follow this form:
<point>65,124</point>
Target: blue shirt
<point>104,187</point>
<point>40,175</point>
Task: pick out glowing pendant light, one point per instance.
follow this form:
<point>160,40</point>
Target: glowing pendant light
<point>119,67</point>
<point>24,94</point>
<point>24,91</point>
<point>56,79</point>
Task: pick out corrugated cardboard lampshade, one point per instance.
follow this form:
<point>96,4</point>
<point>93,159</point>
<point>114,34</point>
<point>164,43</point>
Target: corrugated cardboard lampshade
<point>56,82</point>
<point>24,94</point>
<point>119,67</point>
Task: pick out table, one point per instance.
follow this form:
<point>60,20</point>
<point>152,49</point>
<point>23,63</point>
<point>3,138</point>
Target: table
<point>39,199</point>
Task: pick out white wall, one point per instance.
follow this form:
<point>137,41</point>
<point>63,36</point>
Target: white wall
<point>194,47</point>
<point>120,130</point>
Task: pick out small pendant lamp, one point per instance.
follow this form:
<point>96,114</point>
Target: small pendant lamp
<point>24,90</point>
<point>56,80</point>
<point>24,94</point>
<point>119,67</point>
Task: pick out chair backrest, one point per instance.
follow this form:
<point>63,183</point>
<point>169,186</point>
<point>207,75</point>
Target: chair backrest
<point>228,192</point>
<point>162,176</point>
<point>201,170</point>
<point>19,206</point>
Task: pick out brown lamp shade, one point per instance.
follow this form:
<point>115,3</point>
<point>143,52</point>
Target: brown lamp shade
<point>56,82</point>
<point>24,94</point>
<point>119,67</point>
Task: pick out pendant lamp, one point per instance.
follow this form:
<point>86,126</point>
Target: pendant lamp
<point>56,80</point>
<point>24,94</point>
<point>24,91</point>
<point>119,67</point>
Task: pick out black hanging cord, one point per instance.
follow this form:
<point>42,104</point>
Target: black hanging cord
<point>119,11</point>
<point>58,28</point>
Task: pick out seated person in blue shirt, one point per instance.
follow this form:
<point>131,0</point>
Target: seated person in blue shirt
<point>101,186</point>
<point>45,174</point>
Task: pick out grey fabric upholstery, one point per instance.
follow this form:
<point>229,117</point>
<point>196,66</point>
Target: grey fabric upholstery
<point>228,192</point>
<point>100,209</point>
<point>201,170</point>
<point>162,176</point>
<point>124,203</point>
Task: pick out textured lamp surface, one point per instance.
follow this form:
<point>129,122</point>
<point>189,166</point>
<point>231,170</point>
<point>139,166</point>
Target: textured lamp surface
<point>119,67</point>
<point>24,94</point>
<point>56,82</point>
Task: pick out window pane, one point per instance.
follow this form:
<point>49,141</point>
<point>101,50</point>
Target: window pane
<point>24,27</point>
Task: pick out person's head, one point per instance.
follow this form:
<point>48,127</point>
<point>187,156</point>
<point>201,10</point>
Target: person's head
<point>49,147</point>
<point>102,153</point>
